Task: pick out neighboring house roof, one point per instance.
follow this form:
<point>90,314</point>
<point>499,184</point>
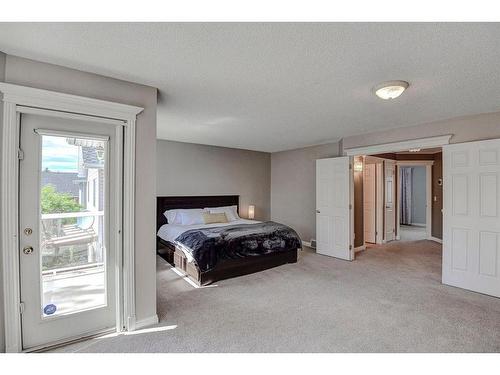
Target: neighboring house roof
<point>64,182</point>
<point>90,157</point>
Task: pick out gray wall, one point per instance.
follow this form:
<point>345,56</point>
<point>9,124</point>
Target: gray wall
<point>293,187</point>
<point>193,169</point>
<point>52,77</point>
<point>2,338</point>
<point>418,181</point>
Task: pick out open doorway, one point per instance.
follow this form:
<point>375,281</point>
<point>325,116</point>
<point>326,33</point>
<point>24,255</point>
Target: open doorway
<point>463,215</point>
<point>412,202</point>
<point>398,197</point>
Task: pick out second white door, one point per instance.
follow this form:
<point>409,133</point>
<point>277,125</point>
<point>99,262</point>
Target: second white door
<point>471,235</point>
<point>333,221</point>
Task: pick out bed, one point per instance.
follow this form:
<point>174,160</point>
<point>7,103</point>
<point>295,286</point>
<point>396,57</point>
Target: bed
<point>210,252</point>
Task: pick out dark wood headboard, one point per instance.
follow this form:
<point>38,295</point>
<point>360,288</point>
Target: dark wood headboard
<point>170,203</point>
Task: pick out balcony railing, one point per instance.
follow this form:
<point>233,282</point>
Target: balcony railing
<point>66,215</point>
<point>72,240</point>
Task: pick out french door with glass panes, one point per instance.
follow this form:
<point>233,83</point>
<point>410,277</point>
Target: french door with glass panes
<point>67,218</point>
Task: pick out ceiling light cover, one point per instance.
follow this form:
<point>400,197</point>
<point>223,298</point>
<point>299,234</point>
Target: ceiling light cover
<point>391,89</point>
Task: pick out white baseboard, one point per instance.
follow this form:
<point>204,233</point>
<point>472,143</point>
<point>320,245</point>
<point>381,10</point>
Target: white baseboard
<point>359,248</point>
<point>152,320</point>
<point>435,239</point>
<point>307,244</point>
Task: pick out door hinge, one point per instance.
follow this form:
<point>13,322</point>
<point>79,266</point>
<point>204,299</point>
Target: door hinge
<point>350,206</point>
<point>350,247</point>
<point>21,308</point>
<point>20,154</point>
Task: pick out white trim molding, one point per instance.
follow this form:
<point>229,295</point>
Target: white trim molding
<point>435,239</point>
<point>399,146</point>
<point>360,248</point>
<point>56,101</point>
<point>152,320</point>
<point>9,228</point>
<point>307,244</point>
<point>21,99</point>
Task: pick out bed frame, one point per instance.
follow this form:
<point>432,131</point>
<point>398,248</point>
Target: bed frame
<point>226,268</point>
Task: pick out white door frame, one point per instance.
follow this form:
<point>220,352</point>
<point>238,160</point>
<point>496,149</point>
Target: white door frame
<point>429,142</point>
<point>379,198</point>
<point>374,208</point>
<point>21,99</point>
<point>399,146</point>
<point>428,194</point>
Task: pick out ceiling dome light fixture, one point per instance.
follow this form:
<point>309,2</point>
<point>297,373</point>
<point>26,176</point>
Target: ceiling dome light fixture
<point>390,89</point>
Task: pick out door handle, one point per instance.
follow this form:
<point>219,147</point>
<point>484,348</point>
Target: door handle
<point>318,211</point>
<point>28,250</point>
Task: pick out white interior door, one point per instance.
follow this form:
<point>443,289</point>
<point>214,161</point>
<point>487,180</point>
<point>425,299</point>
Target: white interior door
<point>68,223</point>
<point>333,194</point>
<point>369,201</point>
<point>389,201</point>
<point>471,235</point>
<point>379,202</point>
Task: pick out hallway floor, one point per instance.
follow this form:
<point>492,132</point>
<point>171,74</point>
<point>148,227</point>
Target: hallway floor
<point>412,233</point>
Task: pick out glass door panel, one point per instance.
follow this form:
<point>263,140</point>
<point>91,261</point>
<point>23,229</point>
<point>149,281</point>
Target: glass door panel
<point>72,224</point>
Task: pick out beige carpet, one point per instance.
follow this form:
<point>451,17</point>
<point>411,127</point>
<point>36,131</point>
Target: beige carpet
<point>389,300</point>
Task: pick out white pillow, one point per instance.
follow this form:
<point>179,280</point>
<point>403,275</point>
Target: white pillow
<point>192,217</point>
<point>175,216</point>
<point>230,211</point>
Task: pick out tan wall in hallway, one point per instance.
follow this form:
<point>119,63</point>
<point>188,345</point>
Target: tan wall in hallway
<point>437,191</point>
<point>359,225</point>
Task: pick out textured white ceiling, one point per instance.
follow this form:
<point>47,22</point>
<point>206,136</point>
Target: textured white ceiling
<point>271,87</point>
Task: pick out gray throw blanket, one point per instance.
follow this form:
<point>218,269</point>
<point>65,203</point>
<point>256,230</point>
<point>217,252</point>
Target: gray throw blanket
<point>209,245</point>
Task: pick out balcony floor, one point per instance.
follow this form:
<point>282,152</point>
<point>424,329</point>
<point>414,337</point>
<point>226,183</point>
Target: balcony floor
<point>75,290</point>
